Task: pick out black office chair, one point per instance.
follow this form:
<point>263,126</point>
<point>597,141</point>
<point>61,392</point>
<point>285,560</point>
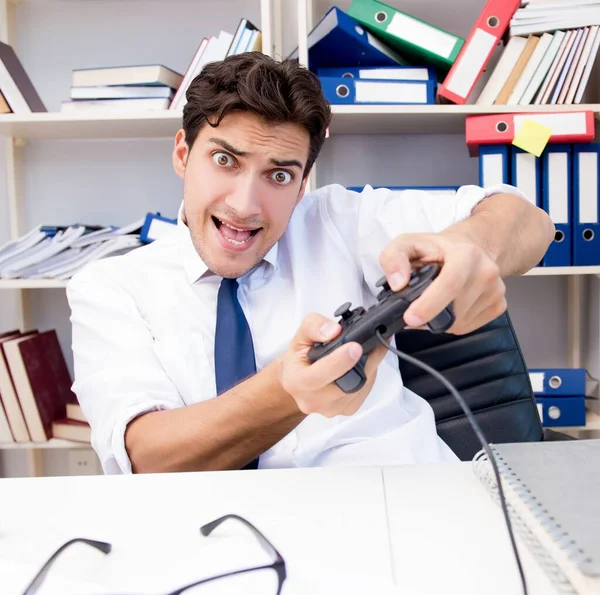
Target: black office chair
<point>488,369</point>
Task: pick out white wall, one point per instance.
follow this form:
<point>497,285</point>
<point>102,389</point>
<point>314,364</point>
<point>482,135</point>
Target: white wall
<point>115,182</point>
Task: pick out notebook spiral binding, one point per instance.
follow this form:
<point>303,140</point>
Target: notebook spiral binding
<point>484,472</point>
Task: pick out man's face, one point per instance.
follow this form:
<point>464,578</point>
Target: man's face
<point>242,181</point>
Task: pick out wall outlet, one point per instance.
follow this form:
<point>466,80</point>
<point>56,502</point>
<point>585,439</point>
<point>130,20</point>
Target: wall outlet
<point>83,461</point>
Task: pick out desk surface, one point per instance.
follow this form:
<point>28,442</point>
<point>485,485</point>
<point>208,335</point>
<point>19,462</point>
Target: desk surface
<point>423,529</point>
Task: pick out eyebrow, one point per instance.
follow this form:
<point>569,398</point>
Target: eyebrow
<point>279,162</point>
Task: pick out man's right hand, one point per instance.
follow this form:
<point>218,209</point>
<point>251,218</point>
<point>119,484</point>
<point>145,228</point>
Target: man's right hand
<point>312,385</point>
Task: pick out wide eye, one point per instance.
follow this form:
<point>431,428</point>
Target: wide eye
<point>223,159</point>
<point>281,177</point>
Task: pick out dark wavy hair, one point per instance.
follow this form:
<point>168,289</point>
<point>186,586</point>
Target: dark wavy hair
<point>277,92</point>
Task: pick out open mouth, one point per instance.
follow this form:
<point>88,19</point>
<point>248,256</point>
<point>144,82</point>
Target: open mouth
<point>234,235</point>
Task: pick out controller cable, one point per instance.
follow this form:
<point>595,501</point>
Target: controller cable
<point>479,434</point>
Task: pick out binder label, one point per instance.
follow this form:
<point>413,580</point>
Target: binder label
<point>537,381</point>
<point>466,71</point>
<point>558,177</point>
<point>419,34</point>
<point>588,187</point>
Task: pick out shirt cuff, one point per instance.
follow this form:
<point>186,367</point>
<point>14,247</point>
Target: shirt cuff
<point>470,196</point>
<point>118,462</point>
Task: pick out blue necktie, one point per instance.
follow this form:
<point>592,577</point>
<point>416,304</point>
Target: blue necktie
<point>234,351</point>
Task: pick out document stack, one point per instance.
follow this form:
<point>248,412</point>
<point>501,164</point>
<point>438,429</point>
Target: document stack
<point>564,179</point>
<point>48,252</point>
<point>560,395</point>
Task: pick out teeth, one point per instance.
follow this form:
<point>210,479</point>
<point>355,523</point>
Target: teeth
<point>236,242</point>
<point>236,228</point>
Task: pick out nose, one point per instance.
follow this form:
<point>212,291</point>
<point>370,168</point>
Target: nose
<point>244,199</point>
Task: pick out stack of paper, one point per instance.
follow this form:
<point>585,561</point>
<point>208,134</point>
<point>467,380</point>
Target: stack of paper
<point>59,252</point>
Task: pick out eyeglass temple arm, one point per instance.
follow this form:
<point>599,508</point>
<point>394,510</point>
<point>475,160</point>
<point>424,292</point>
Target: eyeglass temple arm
<point>265,543</point>
<point>38,579</point>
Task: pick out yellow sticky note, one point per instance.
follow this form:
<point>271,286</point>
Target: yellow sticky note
<point>532,137</point>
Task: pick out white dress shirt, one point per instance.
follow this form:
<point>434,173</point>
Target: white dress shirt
<point>144,323</point>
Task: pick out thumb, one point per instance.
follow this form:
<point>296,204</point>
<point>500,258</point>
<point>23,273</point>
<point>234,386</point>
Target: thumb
<point>397,256</point>
<point>315,328</point>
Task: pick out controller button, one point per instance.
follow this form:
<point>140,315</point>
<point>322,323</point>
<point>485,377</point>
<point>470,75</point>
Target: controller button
<point>344,311</point>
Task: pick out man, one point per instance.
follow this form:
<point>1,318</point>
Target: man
<point>255,262</point>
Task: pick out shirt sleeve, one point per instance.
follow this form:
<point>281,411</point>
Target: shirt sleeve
<point>117,374</point>
<point>384,214</point>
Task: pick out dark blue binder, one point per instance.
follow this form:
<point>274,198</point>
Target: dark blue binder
<point>562,411</point>
<point>586,204</point>
<point>494,165</point>
<point>340,40</point>
<point>345,91</point>
<point>557,202</point>
<point>557,382</point>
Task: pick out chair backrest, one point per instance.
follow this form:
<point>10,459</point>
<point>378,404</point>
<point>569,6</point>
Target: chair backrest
<point>488,369</point>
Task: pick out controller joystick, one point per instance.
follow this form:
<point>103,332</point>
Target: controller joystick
<point>387,317</point>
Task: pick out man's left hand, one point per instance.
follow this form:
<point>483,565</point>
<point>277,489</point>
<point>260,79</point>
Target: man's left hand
<point>469,279</point>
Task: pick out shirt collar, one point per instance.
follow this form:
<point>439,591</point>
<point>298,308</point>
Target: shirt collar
<point>195,267</point>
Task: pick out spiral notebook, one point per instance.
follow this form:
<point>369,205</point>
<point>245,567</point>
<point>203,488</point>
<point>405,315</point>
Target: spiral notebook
<point>552,490</point>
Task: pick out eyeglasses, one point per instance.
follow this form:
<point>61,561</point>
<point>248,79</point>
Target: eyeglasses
<point>259,580</point>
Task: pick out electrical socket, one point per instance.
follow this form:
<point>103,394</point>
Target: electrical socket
<point>83,461</point>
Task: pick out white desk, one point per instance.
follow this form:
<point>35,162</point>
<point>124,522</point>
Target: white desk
<point>430,529</point>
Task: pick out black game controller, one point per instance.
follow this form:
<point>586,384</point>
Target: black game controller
<point>387,316</point>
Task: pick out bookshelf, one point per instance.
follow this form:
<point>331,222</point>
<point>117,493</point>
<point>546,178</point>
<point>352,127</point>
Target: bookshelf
<point>284,26</point>
<point>536,272</point>
<point>347,119</point>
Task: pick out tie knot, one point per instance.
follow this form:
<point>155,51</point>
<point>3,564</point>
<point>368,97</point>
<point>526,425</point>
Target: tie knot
<point>230,284</point>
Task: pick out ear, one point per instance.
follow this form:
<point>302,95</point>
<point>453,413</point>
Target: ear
<point>180,153</point>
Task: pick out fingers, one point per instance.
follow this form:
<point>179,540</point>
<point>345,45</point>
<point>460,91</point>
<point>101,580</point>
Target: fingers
<point>374,359</point>
<point>329,368</point>
<point>395,259</point>
<point>488,307</point>
<point>443,290</point>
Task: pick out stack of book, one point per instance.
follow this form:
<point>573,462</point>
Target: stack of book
<point>122,88</point>
<point>132,88</point>
<point>36,400</point>
<point>545,56</point>
<point>516,52</point>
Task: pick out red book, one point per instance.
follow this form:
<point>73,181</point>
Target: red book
<point>477,50</point>
<point>39,380</point>
<point>10,399</point>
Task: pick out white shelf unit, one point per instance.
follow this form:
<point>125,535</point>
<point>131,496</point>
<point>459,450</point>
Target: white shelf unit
<point>52,444</point>
<point>18,130</point>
